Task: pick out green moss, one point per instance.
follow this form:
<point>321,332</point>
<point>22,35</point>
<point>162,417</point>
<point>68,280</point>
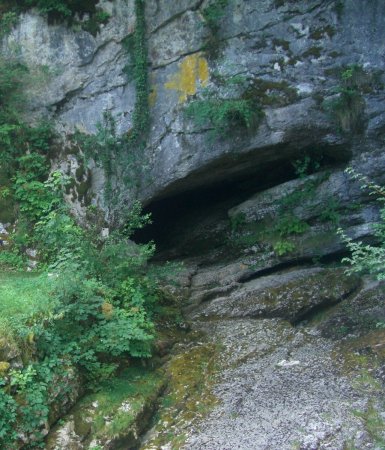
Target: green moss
<point>359,358</point>
<point>4,368</point>
<point>335,54</point>
<point>312,52</point>
<point>339,8</point>
<point>280,3</point>
<point>213,15</point>
<point>80,172</point>
<point>270,92</point>
<point>188,397</point>
<point>120,410</point>
<point>374,423</point>
<point>281,43</point>
<point>320,33</point>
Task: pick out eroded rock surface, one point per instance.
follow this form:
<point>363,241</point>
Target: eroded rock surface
<point>289,296</point>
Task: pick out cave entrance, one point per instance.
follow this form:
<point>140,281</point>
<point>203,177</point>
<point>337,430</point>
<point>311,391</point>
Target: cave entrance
<point>194,221</point>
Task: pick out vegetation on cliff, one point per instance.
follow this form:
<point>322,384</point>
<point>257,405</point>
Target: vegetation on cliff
<point>367,258</point>
<point>83,13</point>
<point>93,303</point>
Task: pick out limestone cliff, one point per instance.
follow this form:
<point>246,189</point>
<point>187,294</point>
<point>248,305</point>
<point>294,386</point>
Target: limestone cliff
<point>288,57</point>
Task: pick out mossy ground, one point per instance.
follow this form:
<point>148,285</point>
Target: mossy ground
<point>361,359</point>
<point>188,397</point>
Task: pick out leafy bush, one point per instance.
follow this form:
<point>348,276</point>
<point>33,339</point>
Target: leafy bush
<point>281,248</point>
<point>61,9</point>
<point>366,258</point>
<point>11,260</point>
<point>213,13</point>
<point>8,417</point>
<point>289,224</point>
<point>7,21</point>
<point>55,10</point>
<point>98,309</point>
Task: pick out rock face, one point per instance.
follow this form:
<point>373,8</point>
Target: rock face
<point>291,296</point>
<point>287,57</point>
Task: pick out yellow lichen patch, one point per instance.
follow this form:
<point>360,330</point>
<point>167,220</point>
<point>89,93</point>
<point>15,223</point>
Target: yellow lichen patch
<point>4,367</point>
<point>107,309</point>
<point>193,72</point>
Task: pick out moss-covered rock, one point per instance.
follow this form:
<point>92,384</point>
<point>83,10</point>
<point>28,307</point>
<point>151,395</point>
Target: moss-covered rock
<point>115,416</point>
<point>191,376</point>
<point>357,316</point>
<point>291,295</point>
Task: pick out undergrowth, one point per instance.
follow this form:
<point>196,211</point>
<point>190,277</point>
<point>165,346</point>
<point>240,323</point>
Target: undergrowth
<point>367,258</point>
<point>93,303</point>
<point>347,107</point>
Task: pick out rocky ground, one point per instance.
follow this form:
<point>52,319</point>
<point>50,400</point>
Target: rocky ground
<point>314,385</point>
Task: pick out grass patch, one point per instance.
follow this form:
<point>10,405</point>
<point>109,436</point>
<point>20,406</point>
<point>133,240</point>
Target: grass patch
<point>22,297</point>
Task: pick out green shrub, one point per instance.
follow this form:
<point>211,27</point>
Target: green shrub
<point>348,107</point>
<point>366,258</point>
<point>99,303</point>
<point>237,222</point>
<point>55,10</point>
<point>60,9</point>
<point>289,224</point>
<point>7,21</point>
<point>221,116</point>
<point>8,417</point>
<point>281,248</point>
<point>213,13</point>
<point>11,260</point>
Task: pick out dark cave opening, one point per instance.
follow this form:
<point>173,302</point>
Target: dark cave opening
<point>179,218</point>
